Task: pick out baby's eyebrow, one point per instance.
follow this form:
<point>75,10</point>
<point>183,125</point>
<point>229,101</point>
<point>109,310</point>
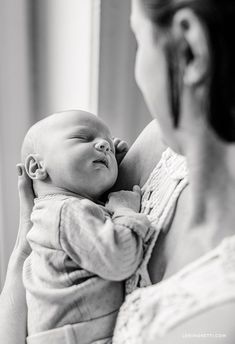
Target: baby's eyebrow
<point>81,129</point>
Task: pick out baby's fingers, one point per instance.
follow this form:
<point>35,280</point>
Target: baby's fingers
<point>137,189</point>
<point>116,141</point>
<point>122,146</point>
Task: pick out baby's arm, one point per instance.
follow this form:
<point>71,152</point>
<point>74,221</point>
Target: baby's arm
<point>105,246</point>
<point>123,203</point>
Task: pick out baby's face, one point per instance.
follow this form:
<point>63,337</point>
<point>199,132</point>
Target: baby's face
<point>79,155</point>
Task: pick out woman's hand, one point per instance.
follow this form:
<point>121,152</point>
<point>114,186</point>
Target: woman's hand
<point>13,309</point>
<point>26,197</point>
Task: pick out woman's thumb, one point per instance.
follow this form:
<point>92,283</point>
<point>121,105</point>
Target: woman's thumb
<point>25,188</point>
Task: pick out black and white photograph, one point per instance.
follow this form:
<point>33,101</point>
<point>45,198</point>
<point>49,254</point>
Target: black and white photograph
<point>117,179</point>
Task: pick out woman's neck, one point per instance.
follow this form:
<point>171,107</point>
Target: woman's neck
<point>212,187</point>
<point>205,211</point>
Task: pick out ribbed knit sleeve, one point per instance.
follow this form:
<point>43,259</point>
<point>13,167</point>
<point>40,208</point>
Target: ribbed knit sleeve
<point>137,222</point>
<point>110,248</point>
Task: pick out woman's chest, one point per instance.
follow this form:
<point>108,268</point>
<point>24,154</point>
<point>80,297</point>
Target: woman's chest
<point>173,248</point>
<point>158,260</point>
<point>174,251</point>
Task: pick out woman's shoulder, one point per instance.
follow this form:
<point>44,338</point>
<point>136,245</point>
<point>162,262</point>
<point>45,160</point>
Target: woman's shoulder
<point>190,302</point>
<point>212,325</point>
<point>209,285</point>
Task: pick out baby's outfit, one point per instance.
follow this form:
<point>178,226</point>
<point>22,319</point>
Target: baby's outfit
<point>74,275</point>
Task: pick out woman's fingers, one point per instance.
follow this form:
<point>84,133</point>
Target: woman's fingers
<point>26,194</point>
<point>26,197</point>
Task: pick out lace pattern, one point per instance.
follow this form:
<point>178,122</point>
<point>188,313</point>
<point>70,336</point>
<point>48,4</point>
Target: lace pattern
<point>151,312</point>
<point>159,197</point>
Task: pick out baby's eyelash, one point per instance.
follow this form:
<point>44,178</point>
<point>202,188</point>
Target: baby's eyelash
<point>83,138</point>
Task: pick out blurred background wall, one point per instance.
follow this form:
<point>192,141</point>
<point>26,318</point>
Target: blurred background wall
<point>16,109</point>
<point>57,55</point>
<point>120,102</point>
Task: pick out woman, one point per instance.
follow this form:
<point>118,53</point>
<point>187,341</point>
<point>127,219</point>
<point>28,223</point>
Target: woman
<point>185,69</point>
<point>192,43</point>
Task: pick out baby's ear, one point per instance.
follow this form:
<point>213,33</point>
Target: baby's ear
<point>34,167</point>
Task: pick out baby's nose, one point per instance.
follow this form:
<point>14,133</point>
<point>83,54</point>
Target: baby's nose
<point>102,145</point>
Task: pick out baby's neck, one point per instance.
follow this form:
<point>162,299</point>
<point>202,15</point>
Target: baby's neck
<point>43,189</point>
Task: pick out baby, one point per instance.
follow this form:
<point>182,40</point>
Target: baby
<point>81,251</point>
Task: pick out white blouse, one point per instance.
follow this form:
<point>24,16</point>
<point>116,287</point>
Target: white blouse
<point>152,311</point>
<point>159,196</point>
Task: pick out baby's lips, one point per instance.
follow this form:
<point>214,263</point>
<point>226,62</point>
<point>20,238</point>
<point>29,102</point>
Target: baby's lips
<point>103,160</point>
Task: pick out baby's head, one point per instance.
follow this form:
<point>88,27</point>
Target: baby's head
<point>70,151</point>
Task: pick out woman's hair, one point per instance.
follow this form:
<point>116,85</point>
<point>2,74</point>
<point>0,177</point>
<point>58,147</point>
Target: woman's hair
<point>218,17</point>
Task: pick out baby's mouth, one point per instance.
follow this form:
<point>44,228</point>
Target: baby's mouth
<point>103,161</point>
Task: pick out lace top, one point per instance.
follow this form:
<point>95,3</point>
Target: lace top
<point>151,312</point>
<point>159,197</point>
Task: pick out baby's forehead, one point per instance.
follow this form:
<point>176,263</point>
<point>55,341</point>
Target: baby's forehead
<point>81,121</point>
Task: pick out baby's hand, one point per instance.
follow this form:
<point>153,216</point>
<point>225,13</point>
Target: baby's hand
<point>121,148</point>
<point>124,199</point>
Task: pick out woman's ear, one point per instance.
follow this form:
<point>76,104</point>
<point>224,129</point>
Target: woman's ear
<point>34,167</point>
<point>193,46</point>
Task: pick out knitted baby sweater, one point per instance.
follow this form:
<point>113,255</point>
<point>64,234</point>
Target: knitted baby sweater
<point>80,256</point>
